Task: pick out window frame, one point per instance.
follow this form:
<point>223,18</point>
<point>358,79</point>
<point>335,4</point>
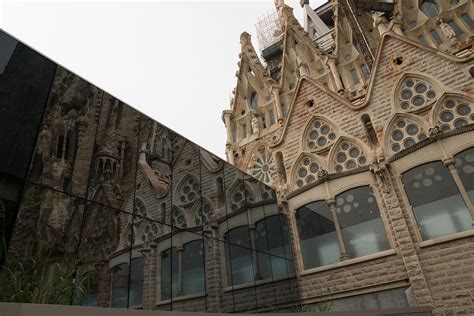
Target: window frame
<point>441,150</point>
<point>330,190</point>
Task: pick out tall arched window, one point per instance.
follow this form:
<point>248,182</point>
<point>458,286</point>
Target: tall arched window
<point>465,166</point>
<point>238,256</point>
<point>254,100</point>
<point>186,278</point>
<point>435,199</point>
<point>120,276</point>
<point>139,209</point>
<point>362,227</point>
<point>429,8</point>
<point>136,282</point>
<point>193,268</point>
<point>317,234</point>
<point>273,247</point>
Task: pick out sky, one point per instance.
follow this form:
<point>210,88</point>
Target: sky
<point>175,60</point>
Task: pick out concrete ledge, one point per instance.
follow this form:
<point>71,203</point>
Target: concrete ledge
<point>16,309</point>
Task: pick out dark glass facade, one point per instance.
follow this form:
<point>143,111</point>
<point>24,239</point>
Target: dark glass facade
<point>102,206</point>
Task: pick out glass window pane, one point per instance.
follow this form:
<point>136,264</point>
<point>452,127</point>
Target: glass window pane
<point>362,227</point>
<point>273,246</point>
<point>317,233</point>
<point>467,19</point>
<point>239,256</point>
<point>120,285</point>
<point>457,30</point>
<point>436,202</point>
<point>193,268</point>
<point>136,282</point>
<point>465,166</point>
<point>169,273</point>
<point>436,37</point>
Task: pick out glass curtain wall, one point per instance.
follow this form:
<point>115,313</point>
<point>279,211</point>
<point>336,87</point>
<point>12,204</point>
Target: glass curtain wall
<point>126,211</point>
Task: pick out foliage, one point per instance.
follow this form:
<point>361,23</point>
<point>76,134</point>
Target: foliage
<point>41,279</point>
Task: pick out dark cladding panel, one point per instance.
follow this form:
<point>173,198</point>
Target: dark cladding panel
<point>25,81</point>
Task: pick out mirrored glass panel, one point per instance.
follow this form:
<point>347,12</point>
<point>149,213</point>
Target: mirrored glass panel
<point>465,165</point>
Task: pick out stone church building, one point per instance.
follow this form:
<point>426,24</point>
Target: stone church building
<point>362,120</point>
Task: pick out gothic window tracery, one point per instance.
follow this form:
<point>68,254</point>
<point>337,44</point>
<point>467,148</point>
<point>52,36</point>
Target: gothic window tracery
<point>306,170</point>
<point>404,133</point>
<point>204,214</point>
<point>188,191</point>
<point>177,219</point>
<point>319,135</point>
<point>139,209</point>
<point>415,93</point>
<point>348,155</point>
<point>240,196</point>
<point>149,233</point>
<point>454,112</point>
<point>261,168</point>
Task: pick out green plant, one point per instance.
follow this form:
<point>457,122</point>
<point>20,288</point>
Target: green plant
<point>39,279</point>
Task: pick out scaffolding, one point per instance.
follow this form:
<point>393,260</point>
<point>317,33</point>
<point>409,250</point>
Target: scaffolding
<point>269,30</point>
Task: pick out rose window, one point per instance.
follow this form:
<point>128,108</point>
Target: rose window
<point>139,209</point>
<point>149,233</point>
<point>349,156</point>
<point>319,136</point>
<point>416,94</point>
<point>405,134</point>
<point>240,198</point>
<point>261,168</point>
<point>455,113</point>
<point>178,219</point>
<point>306,172</point>
<point>204,214</point>
<point>189,190</point>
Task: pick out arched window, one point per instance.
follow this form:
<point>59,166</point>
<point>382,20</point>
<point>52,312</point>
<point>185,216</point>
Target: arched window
<point>415,93</point>
<point>454,112</point>
<point>362,227</point>
<point>404,133</point>
<point>306,170</point>
<point>136,282</point>
<point>120,276</point>
<point>240,196</point>
<point>429,8</point>
<point>261,168</point>
<point>177,218</point>
<point>317,234</point>
<point>193,268</point>
<point>465,165</point>
<point>347,155</point>
<point>273,247</point>
<point>267,192</point>
<point>169,274</point>
<point>319,135</point>
<point>435,199</point>
<point>254,100</point>
<point>140,209</point>
<point>190,273</point>
<point>204,214</point>
<point>188,191</point>
<point>238,255</point>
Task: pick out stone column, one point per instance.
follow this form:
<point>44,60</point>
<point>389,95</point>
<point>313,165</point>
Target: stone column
<point>331,62</point>
<point>275,90</point>
<point>253,244</point>
<point>179,290</point>
<point>226,115</point>
<point>332,207</point>
<point>450,164</point>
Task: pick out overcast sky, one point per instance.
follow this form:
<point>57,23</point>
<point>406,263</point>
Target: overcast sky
<point>173,60</point>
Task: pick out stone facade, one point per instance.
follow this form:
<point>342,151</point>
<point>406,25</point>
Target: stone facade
<point>358,97</point>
